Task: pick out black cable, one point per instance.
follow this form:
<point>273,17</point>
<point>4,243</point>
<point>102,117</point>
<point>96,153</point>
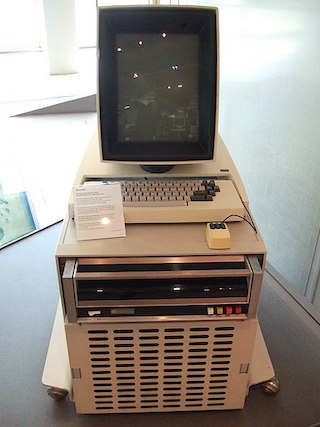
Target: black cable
<point>251,219</point>
<point>245,219</point>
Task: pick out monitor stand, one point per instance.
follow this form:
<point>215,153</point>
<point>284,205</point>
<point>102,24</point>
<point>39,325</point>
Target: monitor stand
<point>156,168</point>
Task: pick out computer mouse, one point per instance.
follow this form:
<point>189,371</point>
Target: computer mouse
<point>218,235</point>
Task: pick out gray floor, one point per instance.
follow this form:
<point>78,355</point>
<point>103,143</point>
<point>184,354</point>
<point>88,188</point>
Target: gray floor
<point>27,308</point>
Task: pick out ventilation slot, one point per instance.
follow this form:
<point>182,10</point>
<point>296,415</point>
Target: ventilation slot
<point>99,349</point>
<point>160,368</point>
<point>220,365</point>
<point>148,368</point>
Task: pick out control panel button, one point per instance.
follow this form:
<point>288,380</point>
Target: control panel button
<point>229,310</point>
<point>219,310</point>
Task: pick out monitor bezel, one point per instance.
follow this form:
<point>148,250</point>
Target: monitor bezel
<point>152,19</point>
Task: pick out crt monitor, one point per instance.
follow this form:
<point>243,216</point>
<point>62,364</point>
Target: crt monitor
<point>157,85</point>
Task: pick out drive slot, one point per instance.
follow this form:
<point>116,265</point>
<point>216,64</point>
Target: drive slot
<point>200,290</point>
<point>101,265</point>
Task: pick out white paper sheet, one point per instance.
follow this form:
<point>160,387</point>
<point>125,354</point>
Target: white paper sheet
<point>98,211</point>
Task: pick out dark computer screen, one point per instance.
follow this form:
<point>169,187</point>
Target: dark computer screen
<point>157,84</point>
<point>158,99</point>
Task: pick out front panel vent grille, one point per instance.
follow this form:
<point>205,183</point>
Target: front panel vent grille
<point>160,368</point>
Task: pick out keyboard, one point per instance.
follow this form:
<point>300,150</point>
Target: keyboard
<point>179,199</point>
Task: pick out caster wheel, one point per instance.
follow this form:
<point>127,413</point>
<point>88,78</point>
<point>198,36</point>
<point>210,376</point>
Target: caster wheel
<point>57,393</point>
<point>271,386</point>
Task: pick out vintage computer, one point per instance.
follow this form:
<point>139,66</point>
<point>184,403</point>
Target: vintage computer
<point>157,320</point>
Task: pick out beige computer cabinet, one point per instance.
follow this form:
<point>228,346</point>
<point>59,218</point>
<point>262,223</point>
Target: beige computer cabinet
<point>140,355</point>
<point>157,321</point>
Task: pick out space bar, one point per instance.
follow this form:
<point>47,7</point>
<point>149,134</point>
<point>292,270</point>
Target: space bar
<point>155,204</point>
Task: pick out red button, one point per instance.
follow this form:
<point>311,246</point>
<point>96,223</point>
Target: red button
<point>238,310</point>
<point>228,310</point>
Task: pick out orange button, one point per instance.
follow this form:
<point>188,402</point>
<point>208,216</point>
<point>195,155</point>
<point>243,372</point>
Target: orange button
<point>219,310</point>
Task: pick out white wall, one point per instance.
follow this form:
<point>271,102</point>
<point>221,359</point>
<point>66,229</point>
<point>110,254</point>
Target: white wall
<point>269,119</point>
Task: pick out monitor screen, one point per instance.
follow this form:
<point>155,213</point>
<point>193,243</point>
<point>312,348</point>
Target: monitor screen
<point>158,94</point>
<point>157,84</point>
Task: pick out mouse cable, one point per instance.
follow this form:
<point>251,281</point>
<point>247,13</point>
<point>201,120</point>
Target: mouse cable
<point>245,219</point>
